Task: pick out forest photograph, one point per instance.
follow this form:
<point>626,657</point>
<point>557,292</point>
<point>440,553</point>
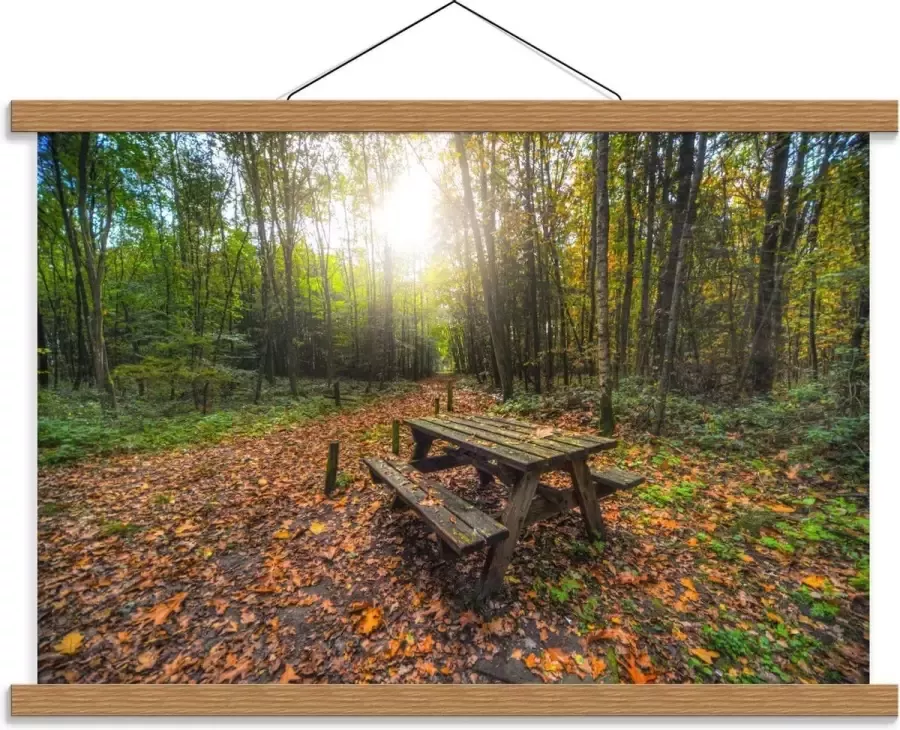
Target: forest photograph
<point>453,407</point>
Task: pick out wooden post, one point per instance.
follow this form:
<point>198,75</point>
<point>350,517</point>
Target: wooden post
<point>437,406</point>
<point>395,437</point>
<point>331,468</point>
<point>337,394</point>
<point>449,396</point>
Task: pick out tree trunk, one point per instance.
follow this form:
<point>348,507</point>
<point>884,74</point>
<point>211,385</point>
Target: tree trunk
<point>531,254</point>
<point>646,264</point>
<point>680,219</point>
<point>495,320</point>
<point>762,352</point>
<point>672,320</point>
<point>625,316</point>
<point>601,194</point>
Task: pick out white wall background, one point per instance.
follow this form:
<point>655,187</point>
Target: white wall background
<point>691,49</point>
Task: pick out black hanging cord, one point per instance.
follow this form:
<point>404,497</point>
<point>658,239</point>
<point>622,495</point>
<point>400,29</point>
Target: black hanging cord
<point>477,15</point>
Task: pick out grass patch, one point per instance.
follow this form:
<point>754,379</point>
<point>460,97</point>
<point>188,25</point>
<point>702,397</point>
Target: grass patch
<point>118,529</point>
<point>49,509</point>
<point>813,424</point>
<point>72,424</point>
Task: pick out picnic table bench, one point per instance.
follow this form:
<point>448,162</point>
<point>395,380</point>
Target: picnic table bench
<point>514,452</point>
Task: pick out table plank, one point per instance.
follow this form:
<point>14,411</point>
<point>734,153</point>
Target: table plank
<point>548,459</point>
<point>522,436</point>
<point>486,449</point>
<point>502,438</point>
<point>562,437</point>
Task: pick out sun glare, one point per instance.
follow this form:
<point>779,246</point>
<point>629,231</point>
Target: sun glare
<point>407,215</point>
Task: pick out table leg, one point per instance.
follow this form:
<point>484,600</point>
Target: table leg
<point>484,477</point>
<point>513,519</point>
<point>421,445</point>
<point>586,498</point>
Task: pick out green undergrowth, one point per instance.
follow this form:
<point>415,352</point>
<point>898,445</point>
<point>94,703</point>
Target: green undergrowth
<point>72,425</point>
<point>808,425</point>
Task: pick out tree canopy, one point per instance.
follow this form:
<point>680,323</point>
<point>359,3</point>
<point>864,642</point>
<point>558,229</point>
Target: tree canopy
<point>718,264</point>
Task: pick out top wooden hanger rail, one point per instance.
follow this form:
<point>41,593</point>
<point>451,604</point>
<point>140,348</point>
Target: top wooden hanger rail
<point>447,116</point>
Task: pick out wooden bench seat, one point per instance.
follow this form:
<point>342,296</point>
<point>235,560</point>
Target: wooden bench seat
<point>462,527</point>
<point>612,480</point>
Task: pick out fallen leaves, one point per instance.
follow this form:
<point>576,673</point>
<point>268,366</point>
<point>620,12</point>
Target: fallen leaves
<point>147,660</point>
<point>260,605</point>
<point>598,666</point>
<point>288,675</point>
<point>70,643</point>
<point>161,611</point>
<point>816,582</point>
<point>777,507</point>
<point>705,655</point>
<point>635,672</point>
<point>369,619</point>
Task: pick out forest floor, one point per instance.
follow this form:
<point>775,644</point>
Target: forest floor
<point>227,563</point>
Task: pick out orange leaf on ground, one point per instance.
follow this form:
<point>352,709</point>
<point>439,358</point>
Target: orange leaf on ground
<point>598,666</point>
<point>147,660</point>
<point>531,661</point>
<point>289,675</point>
<point>161,611</point>
<point>616,634</point>
<point>637,676</point>
<point>371,619</point>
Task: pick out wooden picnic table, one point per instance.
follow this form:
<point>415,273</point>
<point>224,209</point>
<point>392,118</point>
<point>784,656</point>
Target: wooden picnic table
<point>516,453</point>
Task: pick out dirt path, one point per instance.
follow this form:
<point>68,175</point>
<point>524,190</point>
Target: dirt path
<point>227,564</point>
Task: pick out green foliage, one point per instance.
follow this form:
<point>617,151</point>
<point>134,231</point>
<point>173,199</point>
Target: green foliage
<point>771,542</point>
<point>118,529</point>
<point>809,423</point>
<point>73,425</point>
<point>562,591</point>
<point>659,496</point>
<point>49,509</point>
<point>734,643</point>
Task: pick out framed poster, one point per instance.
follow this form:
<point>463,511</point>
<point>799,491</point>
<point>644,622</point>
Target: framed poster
<point>644,349</point>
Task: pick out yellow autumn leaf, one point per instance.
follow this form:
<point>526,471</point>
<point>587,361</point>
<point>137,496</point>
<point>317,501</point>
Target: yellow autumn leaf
<point>318,527</point>
<point>817,582</point>
<point>688,583</point>
<point>70,643</point>
<point>707,656</point>
<point>371,620</point>
<point>780,508</point>
<point>678,634</point>
<point>281,534</point>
